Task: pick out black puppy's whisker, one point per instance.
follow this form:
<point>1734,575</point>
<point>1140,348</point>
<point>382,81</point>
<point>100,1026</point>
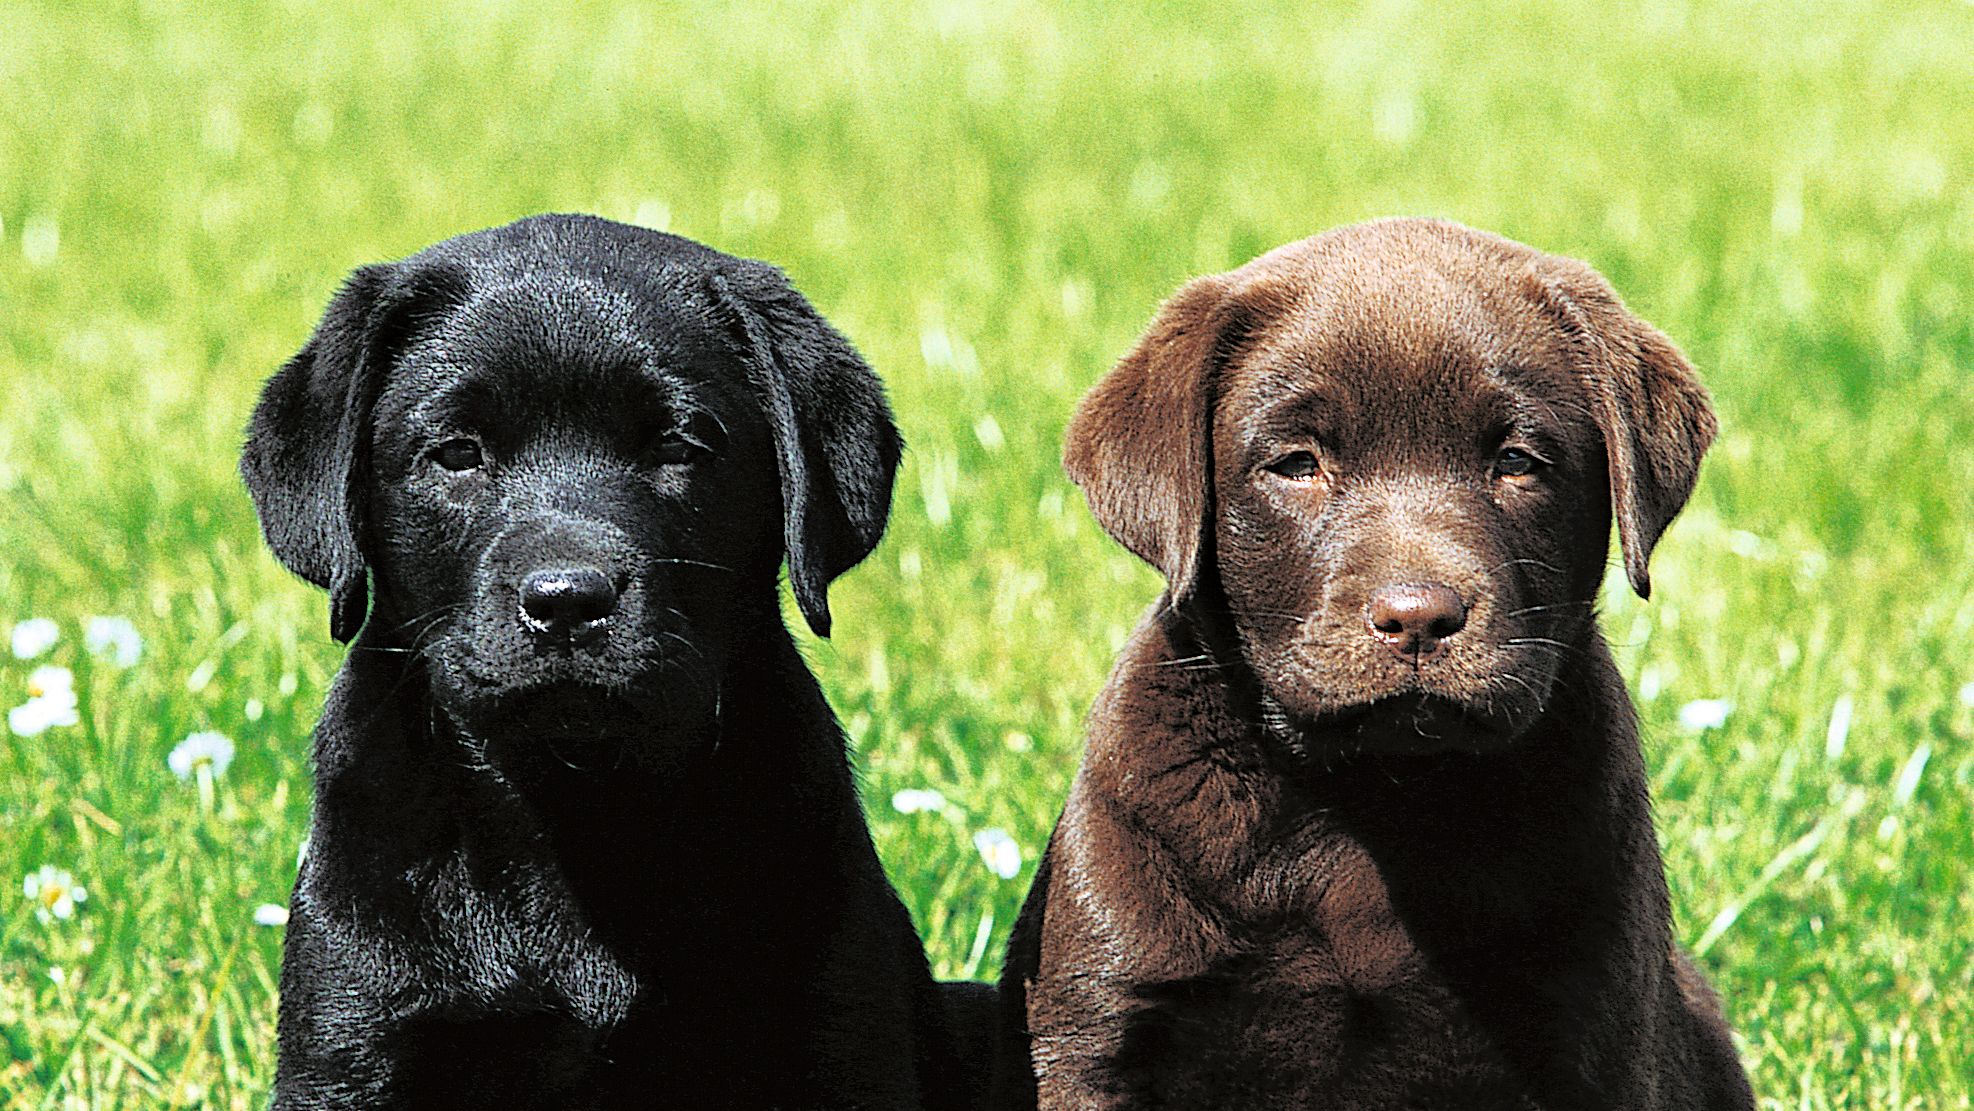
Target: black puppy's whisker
<point>698,563</point>
<point>698,664</point>
<point>427,619</point>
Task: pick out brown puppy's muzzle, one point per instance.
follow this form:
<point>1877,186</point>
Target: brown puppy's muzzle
<point>1389,622</point>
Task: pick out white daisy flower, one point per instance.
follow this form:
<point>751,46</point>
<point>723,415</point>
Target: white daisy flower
<point>211,751</point>
<point>270,914</point>
<point>1705,713</point>
<point>34,636</point>
<point>114,639</point>
<point>54,893</point>
<point>1000,851</point>
<point>51,682</point>
<point>916,800</point>
<point>38,715</point>
<point>51,702</point>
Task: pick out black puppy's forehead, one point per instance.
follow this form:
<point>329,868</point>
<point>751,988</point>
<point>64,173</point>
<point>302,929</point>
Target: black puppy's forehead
<point>563,348</point>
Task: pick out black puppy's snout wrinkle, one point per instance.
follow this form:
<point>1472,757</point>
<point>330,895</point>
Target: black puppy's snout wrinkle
<point>560,601</point>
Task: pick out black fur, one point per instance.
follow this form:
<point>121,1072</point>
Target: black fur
<point>621,868</point>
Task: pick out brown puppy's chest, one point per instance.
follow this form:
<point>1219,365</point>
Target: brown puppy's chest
<point>1320,999</point>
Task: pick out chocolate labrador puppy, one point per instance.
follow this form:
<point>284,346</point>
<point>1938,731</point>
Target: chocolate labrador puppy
<point>1362,821</point>
<point>585,834</point>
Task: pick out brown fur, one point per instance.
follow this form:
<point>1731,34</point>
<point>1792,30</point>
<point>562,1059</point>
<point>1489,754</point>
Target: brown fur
<point>1309,864</point>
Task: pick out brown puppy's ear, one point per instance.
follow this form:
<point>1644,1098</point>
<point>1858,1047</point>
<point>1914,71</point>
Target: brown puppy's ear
<point>1139,444</point>
<point>836,445</point>
<point>307,459</point>
<point>1652,410</point>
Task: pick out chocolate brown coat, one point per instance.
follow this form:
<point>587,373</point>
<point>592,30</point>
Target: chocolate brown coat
<point>1362,821</point>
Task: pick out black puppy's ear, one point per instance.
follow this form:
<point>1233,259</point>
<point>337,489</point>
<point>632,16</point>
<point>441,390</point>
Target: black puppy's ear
<point>306,460</point>
<point>1651,408</point>
<point>1139,444</point>
<point>836,446</point>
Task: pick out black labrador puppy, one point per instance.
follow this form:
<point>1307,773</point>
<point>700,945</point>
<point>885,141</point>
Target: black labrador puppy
<point>585,833</point>
<point>1362,821</point>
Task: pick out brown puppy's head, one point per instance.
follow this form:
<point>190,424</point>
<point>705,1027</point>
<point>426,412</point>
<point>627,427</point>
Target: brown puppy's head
<point>1395,449</point>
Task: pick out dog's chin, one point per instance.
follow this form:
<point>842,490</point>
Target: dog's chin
<point>568,715</point>
<point>1409,724</point>
<point>564,729</point>
<point>1403,723</point>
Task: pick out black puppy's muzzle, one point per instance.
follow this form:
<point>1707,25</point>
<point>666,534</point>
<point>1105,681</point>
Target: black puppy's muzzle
<point>567,604</point>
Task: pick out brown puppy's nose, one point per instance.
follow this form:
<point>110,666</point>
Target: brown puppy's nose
<point>1413,618</point>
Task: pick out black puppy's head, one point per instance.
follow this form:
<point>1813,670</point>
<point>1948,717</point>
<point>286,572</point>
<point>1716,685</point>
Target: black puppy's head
<point>563,460</point>
<point>1396,450</point>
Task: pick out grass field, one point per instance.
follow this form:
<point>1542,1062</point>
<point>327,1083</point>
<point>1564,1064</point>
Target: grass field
<point>990,199</point>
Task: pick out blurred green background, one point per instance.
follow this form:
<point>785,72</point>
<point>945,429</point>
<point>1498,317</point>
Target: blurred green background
<point>990,199</point>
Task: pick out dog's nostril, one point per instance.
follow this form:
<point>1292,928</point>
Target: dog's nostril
<point>564,599</point>
<point>1410,616</point>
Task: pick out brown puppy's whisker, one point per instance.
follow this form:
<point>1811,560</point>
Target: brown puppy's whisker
<point>1526,610</point>
<point>1543,564</point>
<point>1560,646</point>
<point>1204,660</point>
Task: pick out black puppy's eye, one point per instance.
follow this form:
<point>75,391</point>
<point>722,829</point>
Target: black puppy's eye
<point>458,455</point>
<point>675,449</point>
<point>1296,464</point>
<point>1515,462</point>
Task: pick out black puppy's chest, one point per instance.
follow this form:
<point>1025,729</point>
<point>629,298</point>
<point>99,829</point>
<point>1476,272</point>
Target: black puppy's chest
<point>520,946</point>
<point>1289,1023</point>
<point>511,997</point>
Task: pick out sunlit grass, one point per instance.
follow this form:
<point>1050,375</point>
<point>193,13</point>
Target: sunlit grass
<point>990,199</point>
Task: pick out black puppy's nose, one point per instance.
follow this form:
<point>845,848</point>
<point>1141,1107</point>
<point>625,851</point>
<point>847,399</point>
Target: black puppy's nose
<point>1413,618</point>
<point>561,601</point>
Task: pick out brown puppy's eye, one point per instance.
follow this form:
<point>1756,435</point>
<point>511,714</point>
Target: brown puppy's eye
<point>1296,464</point>
<point>459,455</point>
<point>1514,462</point>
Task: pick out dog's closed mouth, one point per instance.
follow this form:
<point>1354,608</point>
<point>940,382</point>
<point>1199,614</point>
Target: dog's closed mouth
<point>566,707</point>
<point>1405,724</point>
<point>535,668</point>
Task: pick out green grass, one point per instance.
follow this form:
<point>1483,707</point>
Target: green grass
<point>990,199</point>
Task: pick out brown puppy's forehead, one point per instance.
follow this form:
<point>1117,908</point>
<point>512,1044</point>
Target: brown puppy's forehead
<point>1388,336</point>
